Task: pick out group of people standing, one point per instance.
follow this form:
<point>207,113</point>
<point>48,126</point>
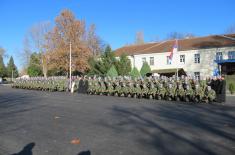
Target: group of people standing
<point>169,88</point>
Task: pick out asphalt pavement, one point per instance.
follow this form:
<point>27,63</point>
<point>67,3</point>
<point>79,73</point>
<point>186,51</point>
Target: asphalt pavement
<point>57,123</point>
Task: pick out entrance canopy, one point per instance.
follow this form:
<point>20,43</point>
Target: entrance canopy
<point>227,66</point>
<point>225,61</point>
<point>169,72</point>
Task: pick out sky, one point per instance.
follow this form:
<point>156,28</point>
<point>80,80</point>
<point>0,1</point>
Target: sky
<point>117,21</point>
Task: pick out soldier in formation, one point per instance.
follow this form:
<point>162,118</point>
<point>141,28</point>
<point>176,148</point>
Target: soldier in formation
<point>179,89</point>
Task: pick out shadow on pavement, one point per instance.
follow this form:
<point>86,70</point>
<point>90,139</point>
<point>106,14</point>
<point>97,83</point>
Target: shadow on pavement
<point>27,150</point>
<point>184,129</point>
<point>85,153</point>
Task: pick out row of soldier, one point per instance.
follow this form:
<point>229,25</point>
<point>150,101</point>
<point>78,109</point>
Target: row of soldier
<point>172,88</point>
<point>183,88</point>
<point>44,84</point>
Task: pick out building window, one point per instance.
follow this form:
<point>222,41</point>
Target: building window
<point>197,75</point>
<point>182,58</point>
<point>143,59</point>
<point>168,60</point>
<point>231,55</point>
<point>219,56</point>
<point>151,61</point>
<point>197,58</point>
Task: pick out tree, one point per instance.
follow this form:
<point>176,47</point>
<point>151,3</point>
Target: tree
<point>123,65</point>
<point>2,51</point>
<point>38,38</point>
<point>139,38</point>
<point>12,69</point>
<point>93,41</point>
<point>94,67</point>
<point>145,69</point>
<point>67,30</point>
<point>135,73</point>
<point>100,66</point>
<point>26,52</point>
<point>178,35</point>
<point>34,68</point>
<point>230,29</point>
<point>2,67</point>
<point>107,60</point>
<point>189,35</point>
<point>112,72</point>
<point>175,35</point>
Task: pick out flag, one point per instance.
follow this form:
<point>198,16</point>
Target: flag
<point>174,50</point>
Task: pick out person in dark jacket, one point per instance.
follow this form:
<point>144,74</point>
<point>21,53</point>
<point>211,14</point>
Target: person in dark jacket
<point>220,89</point>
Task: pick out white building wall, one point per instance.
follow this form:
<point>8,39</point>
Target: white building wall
<point>205,67</point>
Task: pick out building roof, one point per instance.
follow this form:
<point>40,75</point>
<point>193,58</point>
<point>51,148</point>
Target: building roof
<point>213,41</point>
<point>133,49</point>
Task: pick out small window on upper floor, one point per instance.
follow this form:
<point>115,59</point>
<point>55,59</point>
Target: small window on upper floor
<point>182,58</point>
<point>219,56</point>
<point>197,58</point>
<point>151,61</point>
<point>168,60</point>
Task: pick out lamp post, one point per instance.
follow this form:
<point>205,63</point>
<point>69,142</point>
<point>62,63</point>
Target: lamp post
<point>70,66</point>
<point>12,75</point>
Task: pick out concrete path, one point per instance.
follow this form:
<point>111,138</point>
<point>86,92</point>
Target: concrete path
<point>43,123</point>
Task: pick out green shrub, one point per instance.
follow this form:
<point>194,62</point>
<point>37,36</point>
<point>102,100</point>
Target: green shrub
<point>123,65</point>
<point>135,73</point>
<point>112,72</point>
<point>145,69</point>
<point>232,87</point>
<point>229,79</point>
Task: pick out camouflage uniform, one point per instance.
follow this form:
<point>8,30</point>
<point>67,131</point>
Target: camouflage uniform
<point>170,93</point>
<point>161,92</point>
<point>198,93</point>
<point>210,94</point>
<point>152,90</point>
<point>180,93</point>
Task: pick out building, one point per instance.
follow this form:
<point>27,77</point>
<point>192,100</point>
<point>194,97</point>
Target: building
<point>199,57</point>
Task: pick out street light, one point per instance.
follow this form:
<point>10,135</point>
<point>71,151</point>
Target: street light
<point>12,75</point>
<point>70,66</point>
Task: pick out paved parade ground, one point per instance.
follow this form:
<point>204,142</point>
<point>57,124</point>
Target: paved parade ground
<point>43,123</point>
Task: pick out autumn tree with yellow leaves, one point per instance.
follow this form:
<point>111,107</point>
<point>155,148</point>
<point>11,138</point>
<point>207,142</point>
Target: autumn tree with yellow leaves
<point>67,30</point>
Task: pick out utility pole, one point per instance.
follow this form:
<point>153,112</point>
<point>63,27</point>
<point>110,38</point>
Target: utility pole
<point>70,66</point>
<point>12,75</point>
